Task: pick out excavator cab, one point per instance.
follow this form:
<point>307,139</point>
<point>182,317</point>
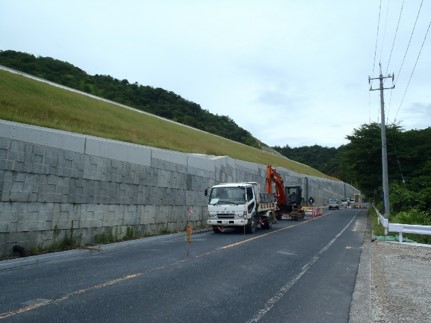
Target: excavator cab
<point>294,198</point>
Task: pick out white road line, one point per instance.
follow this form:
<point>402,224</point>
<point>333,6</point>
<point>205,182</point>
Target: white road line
<point>283,290</point>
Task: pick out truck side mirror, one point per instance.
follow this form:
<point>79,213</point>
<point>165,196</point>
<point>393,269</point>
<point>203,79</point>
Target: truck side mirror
<point>206,192</point>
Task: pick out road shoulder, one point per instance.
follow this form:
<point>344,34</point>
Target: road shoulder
<point>393,282</point>
<point>360,308</point>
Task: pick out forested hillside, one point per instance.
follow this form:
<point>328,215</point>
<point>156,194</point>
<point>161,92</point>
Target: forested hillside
<point>157,101</point>
<point>322,158</point>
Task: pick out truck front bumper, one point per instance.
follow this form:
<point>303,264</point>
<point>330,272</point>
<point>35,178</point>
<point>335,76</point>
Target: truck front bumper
<point>228,222</point>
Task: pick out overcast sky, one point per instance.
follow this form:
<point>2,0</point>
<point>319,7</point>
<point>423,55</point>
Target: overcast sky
<point>290,72</point>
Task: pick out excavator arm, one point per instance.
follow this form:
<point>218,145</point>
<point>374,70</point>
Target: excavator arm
<point>280,193</point>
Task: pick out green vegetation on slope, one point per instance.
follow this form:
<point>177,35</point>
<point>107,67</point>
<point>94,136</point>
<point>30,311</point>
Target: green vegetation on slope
<point>28,101</point>
<point>156,101</point>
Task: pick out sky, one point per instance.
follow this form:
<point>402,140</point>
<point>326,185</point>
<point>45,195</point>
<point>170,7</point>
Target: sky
<point>290,72</point>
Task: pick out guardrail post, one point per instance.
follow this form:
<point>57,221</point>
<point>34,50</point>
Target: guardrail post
<point>400,235</point>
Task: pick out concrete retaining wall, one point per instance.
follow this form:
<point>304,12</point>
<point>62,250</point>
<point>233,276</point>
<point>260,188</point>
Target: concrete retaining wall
<point>56,185</point>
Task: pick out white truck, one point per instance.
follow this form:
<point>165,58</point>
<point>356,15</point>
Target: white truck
<point>240,205</point>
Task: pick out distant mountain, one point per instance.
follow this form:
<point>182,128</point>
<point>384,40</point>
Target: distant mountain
<point>157,101</point>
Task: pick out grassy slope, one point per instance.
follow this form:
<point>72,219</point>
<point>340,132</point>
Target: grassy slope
<point>32,102</point>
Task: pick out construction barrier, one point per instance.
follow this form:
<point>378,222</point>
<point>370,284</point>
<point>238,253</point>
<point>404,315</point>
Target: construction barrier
<point>312,211</point>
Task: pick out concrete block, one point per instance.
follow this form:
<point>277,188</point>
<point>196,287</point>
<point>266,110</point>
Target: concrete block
<point>118,150</point>
<point>18,155</point>
<point>89,217</point>
<point>177,180</point>
<point>51,157</point>
<point>248,167</point>
<point>93,167</point>
<point>112,216</point>
<point>146,214</point>
<point>159,156</point>
<point>28,225</point>
<point>20,147</point>
<point>42,136</point>
<point>3,153</point>
<point>130,215</point>
<point>160,214</point>
<point>132,175</point>
<point>7,165</point>
<point>201,162</point>
<point>6,225</point>
<point>5,143</point>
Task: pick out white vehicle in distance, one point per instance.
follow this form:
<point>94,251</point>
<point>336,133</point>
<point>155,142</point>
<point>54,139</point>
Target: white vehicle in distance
<point>333,204</point>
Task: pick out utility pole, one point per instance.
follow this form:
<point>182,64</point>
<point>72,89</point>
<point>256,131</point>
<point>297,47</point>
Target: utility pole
<point>383,135</point>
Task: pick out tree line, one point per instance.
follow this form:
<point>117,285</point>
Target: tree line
<point>360,163</point>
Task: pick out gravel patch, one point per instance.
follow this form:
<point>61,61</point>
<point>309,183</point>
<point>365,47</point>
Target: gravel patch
<point>400,282</point>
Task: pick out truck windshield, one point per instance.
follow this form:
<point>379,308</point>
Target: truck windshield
<point>234,195</point>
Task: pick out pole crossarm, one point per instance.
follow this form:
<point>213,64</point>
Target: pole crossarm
<point>381,78</point>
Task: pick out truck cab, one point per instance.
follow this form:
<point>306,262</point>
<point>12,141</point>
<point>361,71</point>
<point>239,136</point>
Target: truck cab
<point>239,205</point>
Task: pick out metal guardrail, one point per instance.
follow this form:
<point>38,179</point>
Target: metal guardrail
<point>402,228</point>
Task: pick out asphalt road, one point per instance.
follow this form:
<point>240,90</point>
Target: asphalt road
<point>301,271</point>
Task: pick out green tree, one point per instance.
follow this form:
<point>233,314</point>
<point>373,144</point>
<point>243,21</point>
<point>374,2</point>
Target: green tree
<point>361,159</point>
<point>322,158</point>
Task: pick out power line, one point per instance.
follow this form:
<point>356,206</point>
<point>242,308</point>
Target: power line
<point>414,67</point>
<point>377,36</point>
<point>374,61</point>
<point>390,56</point>
<point>395,36</point>
<point>384,32</point>
<point>411,36</point>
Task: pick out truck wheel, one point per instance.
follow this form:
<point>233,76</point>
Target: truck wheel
<point>268,224</point>
<point>278,215</point>
<point>251,226</point>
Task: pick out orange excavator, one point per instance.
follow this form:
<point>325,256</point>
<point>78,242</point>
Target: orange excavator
<point>289,198</point>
